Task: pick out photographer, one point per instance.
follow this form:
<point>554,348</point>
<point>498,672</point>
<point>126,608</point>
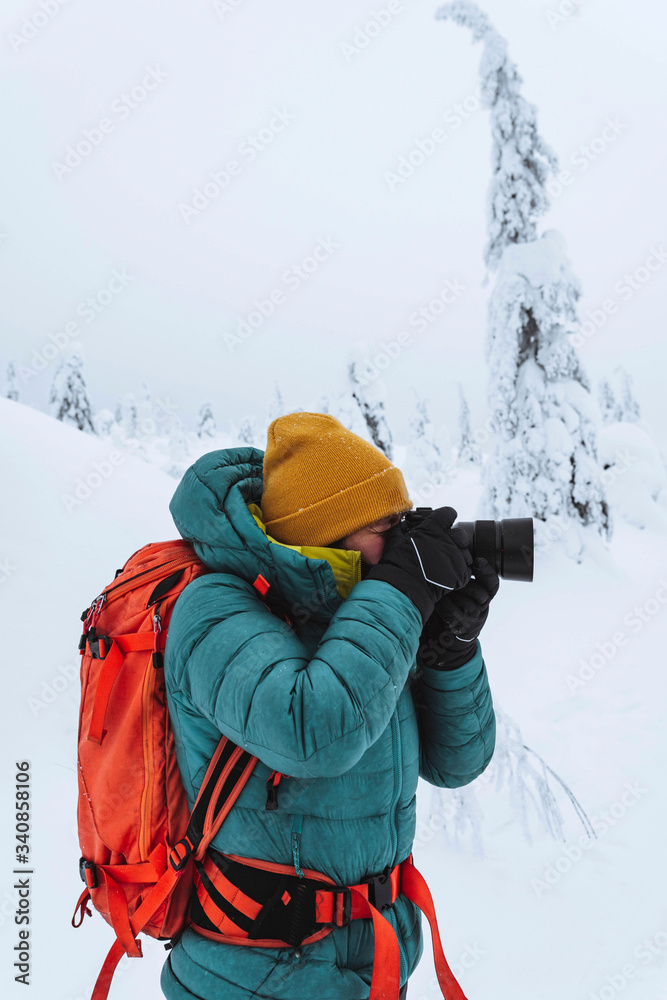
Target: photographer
<point>341,650</point>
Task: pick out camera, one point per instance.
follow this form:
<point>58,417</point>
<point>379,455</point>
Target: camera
<point>507,545</point>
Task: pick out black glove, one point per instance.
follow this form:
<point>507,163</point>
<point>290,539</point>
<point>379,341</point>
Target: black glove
<point>426,562</point>
<point>448,639</point>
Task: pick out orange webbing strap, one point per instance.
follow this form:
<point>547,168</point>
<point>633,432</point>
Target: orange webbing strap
<point>81,908</point>
<point>157,895</point>
<point>217,811</point>
<point>328,903</point>
<point>103,982</point>
<point>415,888</point>
<point>223,923</point>
<point>120,645</point>
<point>386,978</point>
<point>225,778</point>
<point>239,900</point>
<point>120,920</point>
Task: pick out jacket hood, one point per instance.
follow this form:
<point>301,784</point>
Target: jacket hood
<point>217,507</point>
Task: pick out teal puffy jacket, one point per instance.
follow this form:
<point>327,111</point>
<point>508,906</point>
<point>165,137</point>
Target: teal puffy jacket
<point>338,705</point>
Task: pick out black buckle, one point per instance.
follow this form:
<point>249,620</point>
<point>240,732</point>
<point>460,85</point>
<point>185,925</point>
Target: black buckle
<point>94,643</point>
<point>379,889</point>
<point>86,867</point>
<point>177,859</point>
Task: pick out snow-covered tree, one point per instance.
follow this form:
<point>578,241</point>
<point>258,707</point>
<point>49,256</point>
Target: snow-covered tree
<point>468,449</point>
<point>349,414</point>
<point>635,474</point>
<point>543,461</point>
<point>146,426</point>
<point>276,405</point>
<point>323,404</point>
<point>628,405</point>
<point>129,418</point>
<point>206,428</point>
<point>521,160</point>
<point>367,390</point>
<point>177,448</point>
<point>246,433</point>
<point>425,460</point>
<point>11,388</point>
<point>104,421</point>
<point>609,407</point>
<point>535,794</point>
<point>68,398</point>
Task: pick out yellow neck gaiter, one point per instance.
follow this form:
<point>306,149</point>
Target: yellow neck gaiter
<point>345,563</point>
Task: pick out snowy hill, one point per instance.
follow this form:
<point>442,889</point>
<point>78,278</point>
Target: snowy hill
<point>574,659</point>
<point>61,539</point>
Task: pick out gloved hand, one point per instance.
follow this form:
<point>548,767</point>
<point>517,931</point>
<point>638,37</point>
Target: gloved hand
<point>449,635</point>
<point>426,562</point>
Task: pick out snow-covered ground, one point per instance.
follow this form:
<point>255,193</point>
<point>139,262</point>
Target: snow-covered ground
<point>575,660</point>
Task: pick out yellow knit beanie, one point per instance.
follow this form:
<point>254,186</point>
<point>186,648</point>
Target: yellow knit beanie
<point>322,482</point>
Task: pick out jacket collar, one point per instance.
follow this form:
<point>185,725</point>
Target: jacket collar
<point>345,563</point>
<point>211,509</point>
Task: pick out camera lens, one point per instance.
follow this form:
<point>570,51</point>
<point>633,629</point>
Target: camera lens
<point>507,545</point>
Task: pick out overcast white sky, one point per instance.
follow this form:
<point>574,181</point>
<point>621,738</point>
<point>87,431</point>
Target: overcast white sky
<point>219,78</point>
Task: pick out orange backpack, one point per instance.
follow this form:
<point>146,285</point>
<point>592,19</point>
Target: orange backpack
<point>138,839</point>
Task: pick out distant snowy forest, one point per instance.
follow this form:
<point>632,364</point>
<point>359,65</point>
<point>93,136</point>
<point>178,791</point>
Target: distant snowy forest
<point>153,429</point>
<point>552,447</point>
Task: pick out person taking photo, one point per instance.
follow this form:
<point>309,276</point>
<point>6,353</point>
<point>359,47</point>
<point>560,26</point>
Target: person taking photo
<point>343,652</point>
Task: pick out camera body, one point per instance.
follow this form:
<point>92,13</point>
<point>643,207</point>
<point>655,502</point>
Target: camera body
<point>508,545</point>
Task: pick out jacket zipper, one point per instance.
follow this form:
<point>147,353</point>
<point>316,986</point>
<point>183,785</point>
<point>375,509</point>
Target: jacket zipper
<point>296,844</point>
<point>398,783</point>
<point>398,787</point>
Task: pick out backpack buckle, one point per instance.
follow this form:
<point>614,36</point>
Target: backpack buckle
<point>180,854</point>
<point>88,873</point>
<point>97,651</point>
<point>379,889</point>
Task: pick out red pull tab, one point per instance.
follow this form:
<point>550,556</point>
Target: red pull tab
<point>272,789</point>
<point>261,585</point>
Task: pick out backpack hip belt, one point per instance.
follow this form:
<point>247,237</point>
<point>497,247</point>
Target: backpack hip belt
<point>244,901</point>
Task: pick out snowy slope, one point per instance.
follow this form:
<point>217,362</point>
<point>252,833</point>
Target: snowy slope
<point>57,555</point>
<point>508,931</point>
